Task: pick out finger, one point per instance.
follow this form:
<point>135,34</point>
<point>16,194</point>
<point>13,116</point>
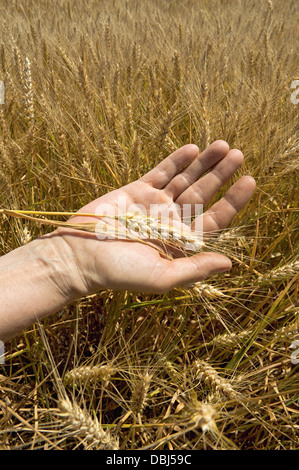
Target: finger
<point>160,176</point>
<point>182,271</point>
<point>222,212</point>
<point>206,187</point>
<point>181,182</point>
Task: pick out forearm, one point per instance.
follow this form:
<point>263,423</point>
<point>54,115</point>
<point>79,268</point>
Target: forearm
<point>36,280</point>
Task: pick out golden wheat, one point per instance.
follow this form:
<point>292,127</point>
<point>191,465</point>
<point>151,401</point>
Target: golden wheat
<point>82,425</point>
<point>104,95</point>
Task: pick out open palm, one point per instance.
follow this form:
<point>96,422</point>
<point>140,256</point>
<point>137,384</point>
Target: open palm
<point>185,177</point>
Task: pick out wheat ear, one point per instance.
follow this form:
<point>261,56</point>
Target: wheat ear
<point>80,424</point>
<point>209,375</point>
<point>137,225</point>
<point>151,228</point>
<point>140,393</point>
<point>279,274</point>
<point>202,414</point>
<point>200,288</point>
<point>88,374</point>
<point>29,106</point>
<point>228,340</point>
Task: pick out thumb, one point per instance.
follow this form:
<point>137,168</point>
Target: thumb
<point>193,269</point>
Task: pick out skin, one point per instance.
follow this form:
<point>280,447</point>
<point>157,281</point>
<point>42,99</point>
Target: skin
<point>48,273</point>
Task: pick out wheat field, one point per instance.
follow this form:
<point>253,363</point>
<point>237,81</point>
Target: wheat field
<point>96,94</point>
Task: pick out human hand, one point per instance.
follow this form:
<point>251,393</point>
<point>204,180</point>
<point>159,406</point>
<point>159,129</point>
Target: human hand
<point>131,265</point>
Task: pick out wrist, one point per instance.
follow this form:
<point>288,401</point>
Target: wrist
<point>60,265</point>
<point>36,280</point>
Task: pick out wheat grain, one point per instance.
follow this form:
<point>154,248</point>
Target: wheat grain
<point>218,80</point>
<point>18,63</point>
<point>83,80</point>
<point>129,79</point>
<point>286,332</point>
<point>5,159</point>
<point>26,236</point>
<point>136,55</point>
<point>165,126</point>
<point>65,59</point>
<point>129,116</point>
<point>33,34</point>
<point>107,35</point>
<point>115,83</point>
<point>177,72</point>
